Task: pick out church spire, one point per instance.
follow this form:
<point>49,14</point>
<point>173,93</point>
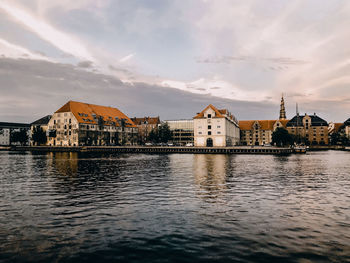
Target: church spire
<point>282,110</point>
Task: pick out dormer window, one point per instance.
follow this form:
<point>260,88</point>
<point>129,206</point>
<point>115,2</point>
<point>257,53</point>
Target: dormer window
<point>209,116</point>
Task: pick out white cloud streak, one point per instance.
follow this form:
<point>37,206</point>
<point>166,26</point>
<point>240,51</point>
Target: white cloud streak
<point>60,40</point>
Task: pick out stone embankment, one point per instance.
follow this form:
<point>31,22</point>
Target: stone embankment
<point>159,149</point>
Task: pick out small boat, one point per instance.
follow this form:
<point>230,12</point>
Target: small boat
<point>299,149</point>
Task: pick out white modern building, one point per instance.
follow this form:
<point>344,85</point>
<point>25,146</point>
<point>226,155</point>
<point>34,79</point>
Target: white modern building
<point>213,127</point>
<point>8,128</point>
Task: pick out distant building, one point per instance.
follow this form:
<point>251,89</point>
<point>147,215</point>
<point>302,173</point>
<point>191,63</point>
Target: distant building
<point>77,123</point>
<point>7,128</point>
<point>145,125</point>
<point>347,128</point>
<point>213,127</point>
<point>42,123</point>
<point>259,132</point>
<point>182,131</point>
<point>335,127</point>
<point>310,127</point>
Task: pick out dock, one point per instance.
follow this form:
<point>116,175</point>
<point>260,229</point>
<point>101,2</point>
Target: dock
<point>160,149</point>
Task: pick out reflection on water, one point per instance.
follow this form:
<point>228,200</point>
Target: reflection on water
<point>210,172</point>
<point>71,207</point>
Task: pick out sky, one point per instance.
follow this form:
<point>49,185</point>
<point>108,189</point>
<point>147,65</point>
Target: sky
<point>172,58</point>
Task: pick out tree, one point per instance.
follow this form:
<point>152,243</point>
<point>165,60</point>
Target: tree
<point>39,136</point>
<point>153,136</point>
<point>20,136</point>
<point>281,137</point>
<point>164,133</point>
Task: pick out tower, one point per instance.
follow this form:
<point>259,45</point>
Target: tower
<point>282,110</point>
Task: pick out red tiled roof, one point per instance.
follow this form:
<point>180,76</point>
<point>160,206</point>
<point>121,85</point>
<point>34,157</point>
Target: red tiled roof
<point>85,112</point>
<point>217,112</point>
<point>264,124</point>
<point>149,120</point>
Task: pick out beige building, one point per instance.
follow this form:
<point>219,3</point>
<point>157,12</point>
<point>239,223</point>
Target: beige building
<point>182,131</point>
<point>145,125</point>
<point>213,127</point>
<point>347,128</point>
<point>259,132</point>
<point>77,123</point>
<point>310,128</point>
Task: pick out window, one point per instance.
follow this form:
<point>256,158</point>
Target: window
<point>209,116</point>
<point>70,120</point>
<point>219,132</point>
<point>209,132</point>
<point>209,127</point>
<point>219,126</point>
<point>54,121</point>
<point>199,132</point>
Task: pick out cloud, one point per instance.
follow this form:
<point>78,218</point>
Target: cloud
<point>62,41</point>
<point>126,58</point>
<point>11,50</point>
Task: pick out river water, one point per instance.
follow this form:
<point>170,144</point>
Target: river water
<point>69,207</point>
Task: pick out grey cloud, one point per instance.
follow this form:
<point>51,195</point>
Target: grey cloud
<point>85,64</point>
<point>231,59</point>
<point>32,88</point>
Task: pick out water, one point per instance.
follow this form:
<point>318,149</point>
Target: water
<point>68,207</point>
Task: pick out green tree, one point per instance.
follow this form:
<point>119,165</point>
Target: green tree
<point>164,133</point>
<point>281,137</point>
<point>39,136</point>
<point>20,136</point>
<point>153,136</point>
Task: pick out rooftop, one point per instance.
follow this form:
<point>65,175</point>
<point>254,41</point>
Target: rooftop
<point>92,114</point>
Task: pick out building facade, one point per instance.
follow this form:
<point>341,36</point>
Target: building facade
<point>182,131</point>
<point>43,123</point>
<point>310,128</point>
<point>8,128</point>
<point>347,128</point>
<point>145,125</point>
<point>77,123</point>
<point>213,127</point>
<point>259,132</point>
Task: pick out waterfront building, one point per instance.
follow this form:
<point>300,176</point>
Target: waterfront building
<point>311,128</point>
<point>145,125</point>
<point>7,128</point>
<point>259,132</point>
<point>347,128</point>
<point>78,123</point>
<point>335,127</point>
<point>213,127</point>
<point>182,131</point>
<point>42,123</point>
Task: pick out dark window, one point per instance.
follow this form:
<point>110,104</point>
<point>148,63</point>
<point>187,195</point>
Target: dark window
<point>209,127</point>
<point>209,115</point>
<point>209,132</point>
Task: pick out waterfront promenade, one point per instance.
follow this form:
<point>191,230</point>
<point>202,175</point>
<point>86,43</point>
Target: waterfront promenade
<point>161,149</point>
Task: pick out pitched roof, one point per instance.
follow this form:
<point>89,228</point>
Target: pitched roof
<point>246,125</point>
<point>338,126</point>
<point>91,114</point>
<point>218,114</point>
<point>146,120</point>
<point>298,121</point>
<point>264,124</point>
<point>42,121</point>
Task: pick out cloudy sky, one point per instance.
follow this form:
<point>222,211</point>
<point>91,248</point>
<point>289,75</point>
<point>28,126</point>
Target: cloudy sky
<point>172,58</point>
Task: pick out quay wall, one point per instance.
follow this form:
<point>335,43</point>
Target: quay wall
<point>156,149</point>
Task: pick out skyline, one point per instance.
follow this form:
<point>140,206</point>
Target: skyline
<point>164,58</point>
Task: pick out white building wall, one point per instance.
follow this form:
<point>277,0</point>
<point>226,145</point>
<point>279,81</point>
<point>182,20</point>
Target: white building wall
<point>66,126</point>
<point>5,136</point>
<point>222,130</point>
